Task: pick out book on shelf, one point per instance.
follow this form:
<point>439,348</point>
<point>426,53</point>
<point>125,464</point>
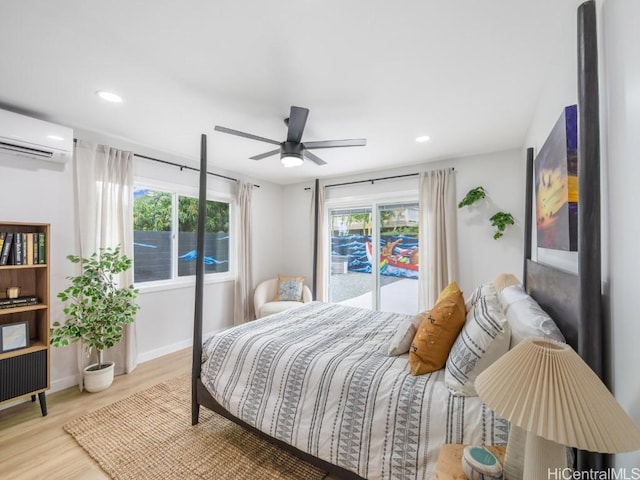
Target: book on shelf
<point>17,249</point>
<point>35,248</point>
<point>18,301</point>
<point>6,248</point>
<point>41,247</point>
<point>28,251</point>
<point>23,248</point>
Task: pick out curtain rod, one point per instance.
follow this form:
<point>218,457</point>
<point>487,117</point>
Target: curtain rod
<point>371,180</point>
<point>181,167</point>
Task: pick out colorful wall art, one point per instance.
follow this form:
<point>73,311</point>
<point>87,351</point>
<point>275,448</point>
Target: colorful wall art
<point>556,185</point>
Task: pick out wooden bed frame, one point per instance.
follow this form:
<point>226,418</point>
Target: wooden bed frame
<point>573,301</point>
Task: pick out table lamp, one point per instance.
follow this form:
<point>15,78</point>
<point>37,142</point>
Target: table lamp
<point>545,389</point>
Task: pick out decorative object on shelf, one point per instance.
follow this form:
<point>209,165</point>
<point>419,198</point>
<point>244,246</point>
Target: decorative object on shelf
<point>478,463</point>
<point>535,386</point>
<point>14,336</point>
<point>499,220</point>
<point>97,310</point>
<point>13,292</point>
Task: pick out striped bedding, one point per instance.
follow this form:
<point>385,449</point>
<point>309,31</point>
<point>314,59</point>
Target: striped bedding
<point>318,377</point>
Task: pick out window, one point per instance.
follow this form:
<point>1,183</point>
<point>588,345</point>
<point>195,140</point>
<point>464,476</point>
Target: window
<point>385,232</point>
<point>165,235</point>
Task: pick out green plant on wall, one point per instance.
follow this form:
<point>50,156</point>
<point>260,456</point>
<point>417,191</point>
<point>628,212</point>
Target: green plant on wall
<point>500,220</point>
<point>472,197</point>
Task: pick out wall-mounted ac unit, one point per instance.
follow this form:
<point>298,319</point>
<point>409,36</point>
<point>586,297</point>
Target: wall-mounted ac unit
<point>22,135</point>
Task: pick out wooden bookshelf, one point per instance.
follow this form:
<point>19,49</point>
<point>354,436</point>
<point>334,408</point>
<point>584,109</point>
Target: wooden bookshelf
<point>25,371</point>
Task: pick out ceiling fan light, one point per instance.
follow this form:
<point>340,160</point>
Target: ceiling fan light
<point>289,161</point>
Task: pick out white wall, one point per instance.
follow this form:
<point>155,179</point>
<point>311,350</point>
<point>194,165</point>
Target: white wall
<point>481,257</point>
<point>36,191</point>
<point>559,90</point>
<point>621,60</point>
<point>619,51</point>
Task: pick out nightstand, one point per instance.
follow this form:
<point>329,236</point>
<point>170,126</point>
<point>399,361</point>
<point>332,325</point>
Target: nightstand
<point>449,466</point>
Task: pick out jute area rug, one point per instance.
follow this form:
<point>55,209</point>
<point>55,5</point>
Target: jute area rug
<point>149,436</point>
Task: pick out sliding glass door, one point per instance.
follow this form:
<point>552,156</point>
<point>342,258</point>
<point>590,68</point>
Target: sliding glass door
<point>398,251</point>
<point>350,273</point>
<point>374,256</point>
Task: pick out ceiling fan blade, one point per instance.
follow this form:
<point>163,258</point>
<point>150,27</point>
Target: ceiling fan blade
<point>265,155</point>
<point>245,135</point>
<point>297,121</point>
<point>313,158</point>
<point>355,142</point>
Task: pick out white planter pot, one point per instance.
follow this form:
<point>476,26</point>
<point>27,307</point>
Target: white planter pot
<point>98,380</point>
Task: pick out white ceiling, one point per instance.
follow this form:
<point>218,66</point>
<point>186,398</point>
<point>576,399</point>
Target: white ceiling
<point>464,72</point>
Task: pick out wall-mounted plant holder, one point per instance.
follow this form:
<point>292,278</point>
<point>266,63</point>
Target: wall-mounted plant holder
<point>472,197</point>
<point>500,220</point>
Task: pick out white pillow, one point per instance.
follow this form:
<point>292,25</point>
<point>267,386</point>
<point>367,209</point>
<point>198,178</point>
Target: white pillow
<point>475,295</point>
<point>526,318</point>
<point>484,338</point>
<point>401,341</point>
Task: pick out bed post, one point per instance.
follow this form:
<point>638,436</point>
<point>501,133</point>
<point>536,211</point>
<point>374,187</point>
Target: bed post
<point>197,318</point>
<point>316,203</point>
<point>590,344</point>
<point>528,214</point>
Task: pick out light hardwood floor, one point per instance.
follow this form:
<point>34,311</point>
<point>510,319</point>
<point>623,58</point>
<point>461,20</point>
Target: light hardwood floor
<point>33,447</point>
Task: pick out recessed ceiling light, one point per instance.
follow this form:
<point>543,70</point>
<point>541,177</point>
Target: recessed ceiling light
<point>109,96</point>
<point>55,137</point>
<point>423,138</point>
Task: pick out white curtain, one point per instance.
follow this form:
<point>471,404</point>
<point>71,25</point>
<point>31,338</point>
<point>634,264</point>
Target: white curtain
<point>243,304</point>
<point>438,235</point>
<point>104,208</point>
<point>321,262</point>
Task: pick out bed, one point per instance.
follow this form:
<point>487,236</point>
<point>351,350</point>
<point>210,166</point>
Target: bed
<point>318,378</point>
<point>253,374</point>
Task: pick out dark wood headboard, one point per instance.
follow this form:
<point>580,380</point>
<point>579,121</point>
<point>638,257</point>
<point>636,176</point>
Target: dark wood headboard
<point>558,293</point>
<point>575,301</point>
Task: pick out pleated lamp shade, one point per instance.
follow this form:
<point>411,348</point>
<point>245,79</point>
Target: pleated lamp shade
<point>544,387</point>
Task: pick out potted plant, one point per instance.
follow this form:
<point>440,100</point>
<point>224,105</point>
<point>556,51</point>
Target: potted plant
<point>97,310</point>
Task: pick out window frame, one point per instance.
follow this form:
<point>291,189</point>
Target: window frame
<point>176,281</point>
<point>373,201</point>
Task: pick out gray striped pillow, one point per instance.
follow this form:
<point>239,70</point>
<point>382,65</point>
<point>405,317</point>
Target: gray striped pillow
<point>484,338</point>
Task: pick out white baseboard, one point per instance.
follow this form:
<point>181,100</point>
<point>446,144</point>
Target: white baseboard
<point>64,383</point>
<point>167,349</point>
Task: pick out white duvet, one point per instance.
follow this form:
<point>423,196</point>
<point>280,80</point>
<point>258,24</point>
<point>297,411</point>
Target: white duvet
<point>318,377</point>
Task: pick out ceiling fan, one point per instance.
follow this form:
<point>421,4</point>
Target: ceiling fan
<point>293,151</point>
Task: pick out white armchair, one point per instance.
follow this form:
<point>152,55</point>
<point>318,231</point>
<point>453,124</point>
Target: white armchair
<point>266,291</point>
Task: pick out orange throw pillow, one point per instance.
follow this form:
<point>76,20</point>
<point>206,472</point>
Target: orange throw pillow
<point>448,290</point>
<point>438,331</point>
